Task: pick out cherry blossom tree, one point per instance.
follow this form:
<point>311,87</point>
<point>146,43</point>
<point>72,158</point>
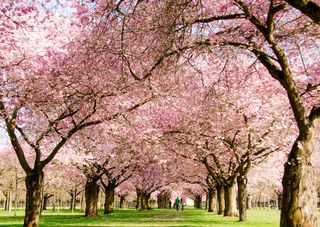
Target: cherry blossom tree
<point>254,27</point>
<point>154,172</point>
<point>195,192</point>
<point>164,198</point>
<point>107,160</point>
<point>200,177</point>
<point>212,137</point>
<point>200,59</point>
<point>122,163</point>
<point>123,191</point>
<point>262,28</point>
<point>52,94</point>
<point>266,181</point>
<point>7,185</point>
<point>70,179</point>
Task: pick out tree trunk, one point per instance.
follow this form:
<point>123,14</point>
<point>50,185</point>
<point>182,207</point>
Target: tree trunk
<point>41,200</point>
<point>163,199</point>
<point>9,202</point>
<point>109,199</point>
<point>46,198</point>
<point>45,201</point>
<point>16,192</point>
<point>147,200</point>
<point>248,201</point>
<point>144,201</point>
<point>82,204</point>
<point>211,195</point>
<point>255,204</point>
<point>54,203</point>
<point>138,205</point>
<point>197,201</point>
<point>58,202</point>
<point>34,182</point>
<point>122,201</point>
<point>6,201</point>
<point>220,199</point>
<point>72,201</point>
<point>242,197</point>
<point>160,202</point>
<point>229,209</point>
<point>91,194</point>
<point>299,201</point>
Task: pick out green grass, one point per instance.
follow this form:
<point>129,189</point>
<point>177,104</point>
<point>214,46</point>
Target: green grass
<point>156,217</point>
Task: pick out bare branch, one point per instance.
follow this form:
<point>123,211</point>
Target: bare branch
<point>220,17</point>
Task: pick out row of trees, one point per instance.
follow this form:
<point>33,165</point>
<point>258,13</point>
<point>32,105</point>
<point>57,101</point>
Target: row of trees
<point>209,82</point>
<point>64,182</point>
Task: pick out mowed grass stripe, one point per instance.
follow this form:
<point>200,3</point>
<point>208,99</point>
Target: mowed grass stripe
<point>149,218</point>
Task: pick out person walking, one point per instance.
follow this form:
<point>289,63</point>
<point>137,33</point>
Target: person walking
<point>183,204</point>
<point>177,203</point>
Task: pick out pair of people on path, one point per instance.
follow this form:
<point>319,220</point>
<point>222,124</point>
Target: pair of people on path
<point>179,202</point>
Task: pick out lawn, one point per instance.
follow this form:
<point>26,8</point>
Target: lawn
<point>156,217</point>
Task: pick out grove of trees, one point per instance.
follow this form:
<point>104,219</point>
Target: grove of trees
<point>161,98</point>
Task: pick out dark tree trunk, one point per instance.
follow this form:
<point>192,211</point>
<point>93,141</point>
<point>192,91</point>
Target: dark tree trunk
<point>147,198</point>
<point>72,201</point>
<point>145,201</point>
<point>143,205</point>
<point>122,201</point>
<point>138,205</point>
<point>248,201</point>
<point>44,204</point>
<point>161,202</point>
<point>109,199</point>
<point>34,182</point>
<point>8,202</point>
<point>220,199</point>
<point>197,201</point>
<point>229,209</point>
<point>259,202</point>
<point>163,199</point>
<point>299,201</point>
<point>211,196</point>
<point>242,197</point>
<point>46,198</point>
<point>91,194</point>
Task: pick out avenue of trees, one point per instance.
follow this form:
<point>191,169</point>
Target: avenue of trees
<point>103,98</point>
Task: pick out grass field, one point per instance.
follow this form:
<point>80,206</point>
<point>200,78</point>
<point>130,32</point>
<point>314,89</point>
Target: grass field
<point>156,217</point>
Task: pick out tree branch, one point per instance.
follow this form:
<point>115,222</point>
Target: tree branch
<point>314,114</point>
<point>219,17</point>
<point>308,8</point>
<point>87,124</point>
